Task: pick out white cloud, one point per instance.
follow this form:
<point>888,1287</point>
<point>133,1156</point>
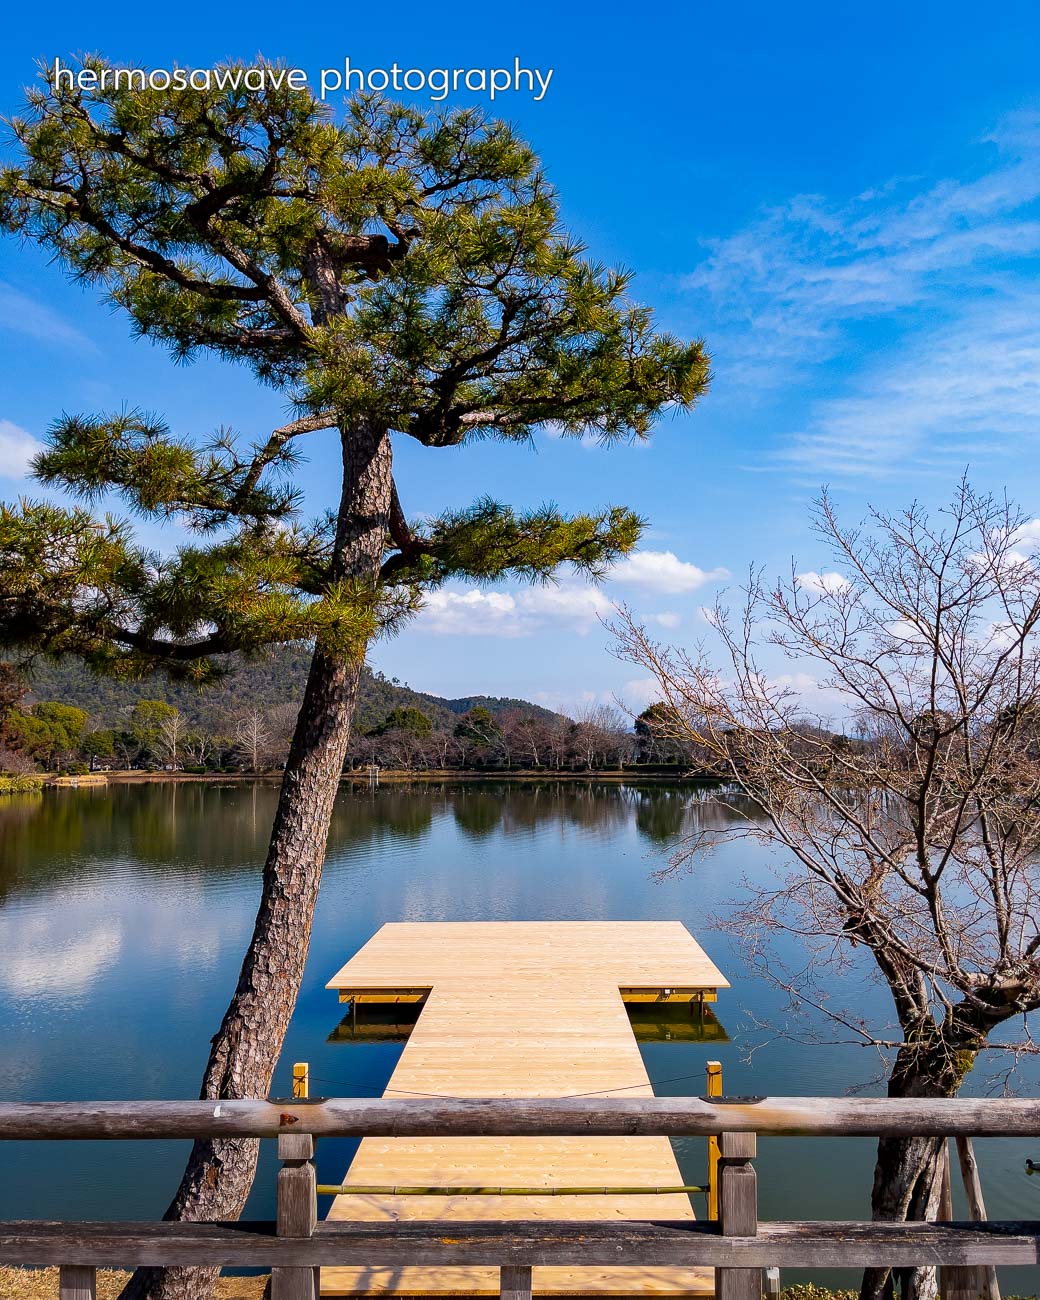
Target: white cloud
<point>997,636</point>
<point>25,315</point>
<point>573,703</point>
<point>818,699</point>
<point>904,630</point>
<point>572,606</point>
<point>454,612</point>
<point>1028,536</point>
<point>640,691</point>
<point>1029,532</point>
<point>17,448</point>
<point>664,572</point>
<point>822,582</point>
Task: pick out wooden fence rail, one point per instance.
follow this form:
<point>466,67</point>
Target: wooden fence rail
<point>737,1246</point>
<point>683,1243</point>
<point>509,1117</point>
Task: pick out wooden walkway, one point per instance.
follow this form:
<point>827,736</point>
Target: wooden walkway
<point>521,1009</point>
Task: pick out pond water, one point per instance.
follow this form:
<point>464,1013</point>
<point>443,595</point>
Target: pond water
<point>124,913</point>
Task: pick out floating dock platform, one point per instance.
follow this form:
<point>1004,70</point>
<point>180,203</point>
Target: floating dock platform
<point>521,1009</point>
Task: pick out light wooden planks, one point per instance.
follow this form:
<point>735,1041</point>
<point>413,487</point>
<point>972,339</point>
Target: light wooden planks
<point>521,1009</point>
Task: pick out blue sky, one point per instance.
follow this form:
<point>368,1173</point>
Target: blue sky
<point>844,201</point>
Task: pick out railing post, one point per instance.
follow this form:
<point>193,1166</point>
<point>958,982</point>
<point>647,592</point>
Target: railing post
<point>75,1282</point>
<point>514,1282</point>
<point>713,1088</point>
<point>956,1282</point>
<point>988,1284</point>
<point>738,1212</point>
<point>297,1212</point>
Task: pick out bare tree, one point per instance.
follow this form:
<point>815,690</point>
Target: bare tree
<point>252,738</point>
<point>14,762</point>
<point>529,735</point>
<point>281,722</point>
<point>171,730</point>
<point>597,734</point>
<point>556,741</point>
<point>197,746</point>
<point>918,839</point>
<point>448,747</point>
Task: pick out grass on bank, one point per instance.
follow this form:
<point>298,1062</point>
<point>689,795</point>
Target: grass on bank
<point>42,1284</point>
<point>20,784</point>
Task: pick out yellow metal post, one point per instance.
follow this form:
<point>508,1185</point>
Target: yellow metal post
<point>301,1080</point>
<point>713,1079</point>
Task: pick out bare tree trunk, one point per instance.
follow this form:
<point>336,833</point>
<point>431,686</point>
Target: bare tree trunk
<point>908,1170</point>
<point>907,1185</point>
<point>246,1048</point>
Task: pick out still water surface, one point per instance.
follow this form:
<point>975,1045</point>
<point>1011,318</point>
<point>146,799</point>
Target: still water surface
<point>124,913</point>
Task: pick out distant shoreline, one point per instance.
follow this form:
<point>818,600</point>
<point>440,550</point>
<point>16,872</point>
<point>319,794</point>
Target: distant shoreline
<point>401,776</point>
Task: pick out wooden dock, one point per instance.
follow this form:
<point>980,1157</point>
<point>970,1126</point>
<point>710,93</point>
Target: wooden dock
<point>521,1009</point>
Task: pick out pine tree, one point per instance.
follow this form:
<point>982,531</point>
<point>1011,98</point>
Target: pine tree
<point>394,275</point>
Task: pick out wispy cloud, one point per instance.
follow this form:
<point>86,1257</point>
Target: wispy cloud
<point>961,393</point>
<point>797,275</point>
<point>25,315</point>
<point>17,448</point>
<point>940,271</point>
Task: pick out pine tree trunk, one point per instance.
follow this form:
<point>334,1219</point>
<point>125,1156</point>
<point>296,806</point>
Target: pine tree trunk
<point>246,1048</point>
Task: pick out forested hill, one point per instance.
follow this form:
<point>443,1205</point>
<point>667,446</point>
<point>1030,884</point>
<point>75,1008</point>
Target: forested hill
<point>274,680</point>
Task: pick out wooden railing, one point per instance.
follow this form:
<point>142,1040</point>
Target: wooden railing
<point>737,1246</point>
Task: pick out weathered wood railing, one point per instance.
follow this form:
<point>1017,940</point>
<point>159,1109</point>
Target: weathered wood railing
<point>296,1245</point>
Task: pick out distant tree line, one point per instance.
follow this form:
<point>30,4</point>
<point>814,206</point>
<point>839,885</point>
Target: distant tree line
<point>153,734</point>
<point>598,738</point>
<point>54,736</point>
<point>275,678</point>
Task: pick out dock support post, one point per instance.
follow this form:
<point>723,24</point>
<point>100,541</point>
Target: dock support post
<point>514,1283</point>
<point>297,1212</point>
<point>738,1212</point>
<point>76,1282</point>
<point>713,1088</point>
<point>771,1283</point>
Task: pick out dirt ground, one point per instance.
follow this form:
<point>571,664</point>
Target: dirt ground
<point>42,1284</point>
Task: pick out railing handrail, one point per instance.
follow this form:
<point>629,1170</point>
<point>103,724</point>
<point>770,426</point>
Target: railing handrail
<point>435,1243</point>
<point>737,1246</point>
<point>513,1117</point>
